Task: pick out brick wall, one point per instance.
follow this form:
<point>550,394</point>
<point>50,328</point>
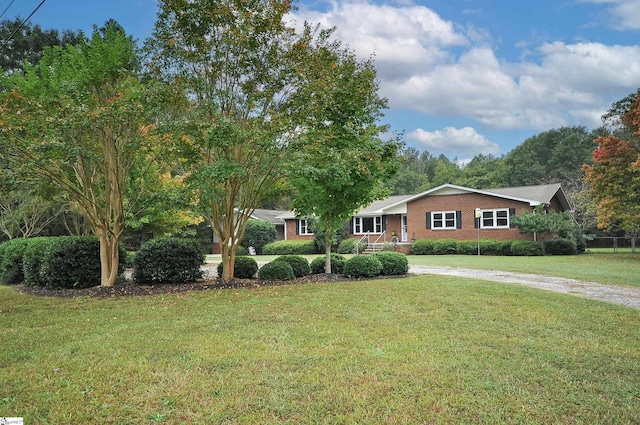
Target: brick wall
<point>466,203</point>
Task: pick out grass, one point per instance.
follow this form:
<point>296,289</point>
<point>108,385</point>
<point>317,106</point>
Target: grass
<point>423,349</point>
<point>602,265</point>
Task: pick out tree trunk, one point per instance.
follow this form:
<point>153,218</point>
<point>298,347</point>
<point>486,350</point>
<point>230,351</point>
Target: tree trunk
<point>327,251</point>
<point>228,261</point>
<point>109,259</point>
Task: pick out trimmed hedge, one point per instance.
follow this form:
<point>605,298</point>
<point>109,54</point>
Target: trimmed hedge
<point>393,263</point>
<point>276,270</point>
<point>348,246</point>
<point>526,248</point>
<point>243,268</point>
<point>363,266</point>
<point>299,264</point>
<point>289,248</point>
<point>74,262</point>
<point>11,268</point>
<point>168,260</point>
<point>32,261</point>
<point>423,247</point>
<point>444,247</point>
<point>337,264</point>
<point>560,246</point>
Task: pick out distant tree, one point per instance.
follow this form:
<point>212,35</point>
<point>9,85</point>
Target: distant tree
<point>446,171</point>
<point>550,157</point>
<point>29,42</point>
<point>483,172</point>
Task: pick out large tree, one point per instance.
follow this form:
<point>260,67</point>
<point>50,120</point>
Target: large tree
<point>614,177</point>
<point>342,164</point>
<point>81,119</point>
<point>238,65</point>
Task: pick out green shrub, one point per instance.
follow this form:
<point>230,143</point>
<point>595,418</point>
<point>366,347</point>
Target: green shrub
<point>257,234</point>
<point>423,247</point>
<point>319,235</point>
<point>526,248</point>
<point>74,262</point>
<point>363,266</point>
<point>299,264</point>
<point>289,247</point>
<point>348,246</point>
<point>495,247</point>
<point>444,247</point>
<point>243,268</point>
<point>467,248</point>
<point>242,251</point>
<point>11,269</point>
<point>337,264</point>
<point>32,261</point>
<point>168,260</point>
<point>560,246</point>
<point>393,263</point>
<point>276,270</point>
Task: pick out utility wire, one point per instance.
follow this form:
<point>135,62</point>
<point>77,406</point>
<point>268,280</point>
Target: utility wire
<point>7,8</point>
<point>21,25</point>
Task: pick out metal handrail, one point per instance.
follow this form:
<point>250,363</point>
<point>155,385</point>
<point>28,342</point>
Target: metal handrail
<point>366,236</point>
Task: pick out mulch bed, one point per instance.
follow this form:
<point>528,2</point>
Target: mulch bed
<point>131,289</point>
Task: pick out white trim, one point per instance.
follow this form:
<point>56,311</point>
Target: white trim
<point>358,225</point>
<point>494,218</point>
<point>444,220</point>
<point>306,227</point>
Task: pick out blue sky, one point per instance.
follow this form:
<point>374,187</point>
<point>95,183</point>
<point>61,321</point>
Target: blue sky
<point>462,77</point>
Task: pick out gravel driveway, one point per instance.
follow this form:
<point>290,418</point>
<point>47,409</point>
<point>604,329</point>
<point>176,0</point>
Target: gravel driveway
<point>623,295</point>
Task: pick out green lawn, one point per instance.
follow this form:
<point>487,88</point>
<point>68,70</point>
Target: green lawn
<point>423,349</point>
<point>599,266</point>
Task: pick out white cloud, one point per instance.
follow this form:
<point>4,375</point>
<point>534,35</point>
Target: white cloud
<point>625,14</point>
<point>465,142</point>
<point>435,67</point>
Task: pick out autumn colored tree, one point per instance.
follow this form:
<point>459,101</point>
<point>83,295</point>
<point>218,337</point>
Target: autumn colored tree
<point>614,179</point>
<point>82,120</point>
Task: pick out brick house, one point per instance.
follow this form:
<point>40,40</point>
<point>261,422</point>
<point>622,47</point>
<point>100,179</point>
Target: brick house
<point>444,212</point>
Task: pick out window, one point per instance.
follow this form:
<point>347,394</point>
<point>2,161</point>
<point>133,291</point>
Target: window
<point>443,220</point>
<point>363,225</point>
<point>497,219</point>
<point>303,227</point>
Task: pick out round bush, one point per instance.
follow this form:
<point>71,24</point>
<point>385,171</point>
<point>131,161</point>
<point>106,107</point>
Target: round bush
<point>276,270</point>
<point>560,246</point>
<point>168,260</point>
<point>393,263</point>
<point>257,234</point>
<point>363,266</point>
<point>299,264</point>
<point>526,248</point>
<point>495,247</point>
<point>423,247</point>
<point>348,246</point>
<point>337,264</point>
<point>244,268</point>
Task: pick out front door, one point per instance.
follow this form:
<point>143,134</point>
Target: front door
<point>404,228</point>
